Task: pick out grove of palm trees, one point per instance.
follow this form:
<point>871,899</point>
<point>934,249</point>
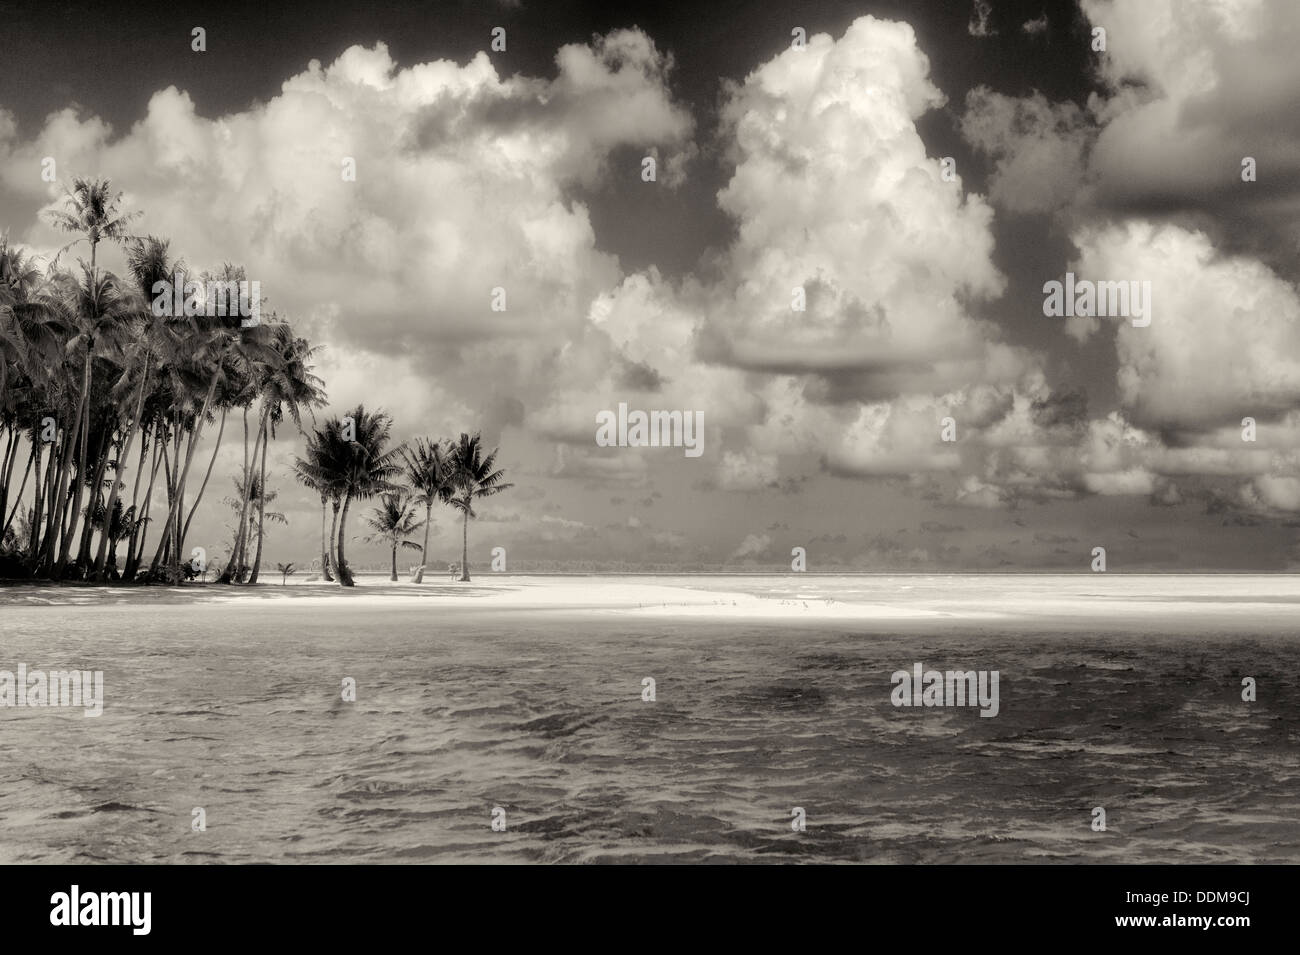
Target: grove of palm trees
<point>112,418</point>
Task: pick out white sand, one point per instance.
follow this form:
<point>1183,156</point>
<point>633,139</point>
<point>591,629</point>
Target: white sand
<point>1201,603</point>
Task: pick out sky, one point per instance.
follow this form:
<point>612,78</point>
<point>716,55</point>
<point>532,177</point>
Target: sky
<point>796,146</point>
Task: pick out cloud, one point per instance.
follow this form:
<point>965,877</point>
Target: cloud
<point>1224,338</point>
<point>1039,148</point>
<point>754,545</point>
<point>1186,91</point>
<point>1035,27</point>
<point>1276,492</point>
<point>979,21</point>
<point>464,183</point>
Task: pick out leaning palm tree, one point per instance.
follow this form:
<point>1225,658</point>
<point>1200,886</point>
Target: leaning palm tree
<point>149,261</point>
<point>215,357</point>
<point>474,476</point>
<point>429,471</point>
<point>392,521</point>
<point>288,388</point>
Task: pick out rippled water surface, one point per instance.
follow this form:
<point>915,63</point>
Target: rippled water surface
<point>235,707</point>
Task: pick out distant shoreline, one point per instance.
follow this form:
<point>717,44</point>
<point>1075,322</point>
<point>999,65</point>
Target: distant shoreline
<point>439,580</point>
<point>1178,605</point>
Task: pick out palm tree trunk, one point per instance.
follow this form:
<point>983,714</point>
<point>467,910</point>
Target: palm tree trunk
<point>81,461</point>
<point>136,550</point>
<point>177,521</point>
<point>44,506</point>
<point>261,504</point>
<point>324,542</point>
<point>38,504</point>
<point>118,472</point>
<point>424,549</point>
<point>58,499</point>
<point>393,578</point>
<point>185,531</point>
<point>52,478</point>
<point>19,499</point>
<point>241,541</point>
<point>345,574</point>
<point>102,452</point>
<point>7,467</point>
<point>246,478</point>
<point>464,545</point>
<point>170,471</point>
<point>135,493</point>
<point>175,567</point>
<point>334,528</point>
<point>232,565</point>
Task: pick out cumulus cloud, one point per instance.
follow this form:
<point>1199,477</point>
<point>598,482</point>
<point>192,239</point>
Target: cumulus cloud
<point>833,192</point>
<point>463,184</point>
<point>1039,148</point>
<point>468,181</point>
<point>1224,338</point>
<point>1186,91</point>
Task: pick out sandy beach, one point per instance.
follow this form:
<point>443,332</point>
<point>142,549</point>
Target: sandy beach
<point>1206,603</point>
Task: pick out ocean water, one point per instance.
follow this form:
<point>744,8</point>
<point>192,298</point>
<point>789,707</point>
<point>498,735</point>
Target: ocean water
<point>1123,694</point>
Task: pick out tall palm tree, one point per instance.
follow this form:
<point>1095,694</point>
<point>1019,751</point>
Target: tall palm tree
<point>392,521</point>
<point>288,388</point>
<point>428,469</point>
<point>103,310</point>
<point>90,209</point>
<point>148,261</point>
<point>215,355</point>
<point>475,476</point>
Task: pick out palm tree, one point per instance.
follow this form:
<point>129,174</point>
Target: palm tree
<point>288,387</point>
<point>363,467</point>
<point>148,261</point>
<point>285,570</point>
<point>252,490</point>
<point>392,520</point>
<point>429,471</point>
<point>34,325</point>
<point>311,474</point>
<point>216,354</point>
<point>31,330</point>
<point>103,310</point>
<point>91,209</point>
<point>473,477</point>
<point>116,528</point>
